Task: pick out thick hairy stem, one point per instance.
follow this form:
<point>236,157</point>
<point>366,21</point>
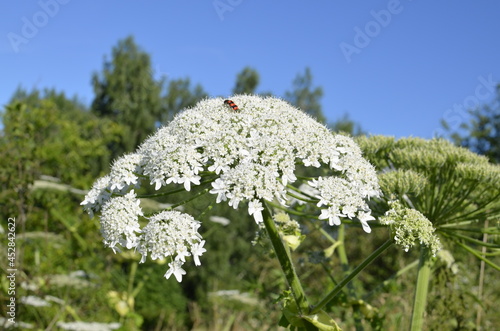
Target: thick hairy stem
<point>420,299</point>
<point>285,261</point>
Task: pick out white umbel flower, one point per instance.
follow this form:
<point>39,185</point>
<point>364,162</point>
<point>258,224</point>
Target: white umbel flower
<point>169,233</point>
<point>343,198</point>
<point>120,221</point>
<point>97,195</point>
<point>248,156</point>
<point>124,171</point>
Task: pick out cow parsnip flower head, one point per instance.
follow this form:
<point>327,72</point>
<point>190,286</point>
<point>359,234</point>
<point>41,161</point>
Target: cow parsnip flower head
<point>245,156</point>
<point>410,227</point>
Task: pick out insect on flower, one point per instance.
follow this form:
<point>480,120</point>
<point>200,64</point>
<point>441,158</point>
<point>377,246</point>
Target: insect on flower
<point>231,104</point>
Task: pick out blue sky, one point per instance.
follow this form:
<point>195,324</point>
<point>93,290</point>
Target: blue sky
<point>396,67</point>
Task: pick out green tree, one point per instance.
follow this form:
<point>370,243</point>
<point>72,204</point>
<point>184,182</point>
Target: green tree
<point>127,93</point>
<point>35,97</point>
<point>246,81</point>
<point>346,125</point>
<point>61,126</point>
<point>179,95</point>
<point>305,97</point>
<point>40,140</point>
<point>481,133</point>
<point>49,150</point>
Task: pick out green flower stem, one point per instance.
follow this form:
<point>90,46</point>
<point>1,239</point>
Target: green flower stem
<point>301,198</point>
<point>349,277</point>
<point>479,256</point>
<point>291,211</point>
<point>344,261</point>
<point>131,277</point>
<point>162,194</point>
<point>310,199</point>
<point>327,235</point>
<point>420,299</point>
<point>200,193</point>
<point>341,249</point>
<point>172,207</point>
<point>471,240</point>
<point>285,262</point>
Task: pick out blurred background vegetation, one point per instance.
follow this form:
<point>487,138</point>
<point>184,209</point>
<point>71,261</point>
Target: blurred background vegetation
<point>52,148</point>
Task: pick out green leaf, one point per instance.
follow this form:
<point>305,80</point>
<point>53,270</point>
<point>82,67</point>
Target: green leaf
<point>322,321</point>
<point>290,312</point>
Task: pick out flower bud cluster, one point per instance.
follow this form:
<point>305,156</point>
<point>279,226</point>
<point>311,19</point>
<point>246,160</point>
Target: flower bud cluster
<point>409,227</point>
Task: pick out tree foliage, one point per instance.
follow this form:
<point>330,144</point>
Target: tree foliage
<point>346,125</point>
<point>481,133</point>
<point>246,81</point>
<point>35,97</point>
<point>305,97</point>
<point>50,135</point>
<point>127,93</point>
<point>178,96</point>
